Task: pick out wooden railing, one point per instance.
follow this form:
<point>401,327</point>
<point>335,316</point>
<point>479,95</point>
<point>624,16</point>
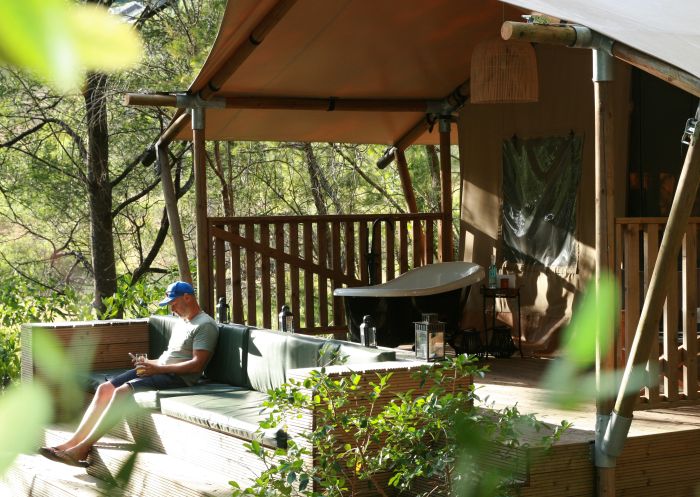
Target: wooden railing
<point>261,263</point>
<point>673,366</point>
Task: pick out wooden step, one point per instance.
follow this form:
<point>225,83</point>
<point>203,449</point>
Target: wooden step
<point>217,451</point>
<point>36,476</point>
<point>153,474</point>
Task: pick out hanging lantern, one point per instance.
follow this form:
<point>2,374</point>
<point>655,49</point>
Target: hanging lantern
<point>222,310</point>
<point>503,72</point>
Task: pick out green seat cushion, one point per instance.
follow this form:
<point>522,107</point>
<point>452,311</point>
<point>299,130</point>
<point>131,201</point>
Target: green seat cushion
<point>229,361</point>
<point>236,412</point>
<point>151,399</point>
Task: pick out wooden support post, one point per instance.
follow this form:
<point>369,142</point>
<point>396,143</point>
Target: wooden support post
<point>170,198</point>
<point>204,293</point>
<point>445,242</point>
<point>605,254</point>
<point>409,193</point>
<point>406,183</point>
<point>646,335</point>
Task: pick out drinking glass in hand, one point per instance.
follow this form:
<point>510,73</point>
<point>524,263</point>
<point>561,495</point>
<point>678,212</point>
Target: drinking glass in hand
<point>140,359</point>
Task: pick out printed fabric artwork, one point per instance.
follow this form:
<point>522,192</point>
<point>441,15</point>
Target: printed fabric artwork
<point>540,186</point>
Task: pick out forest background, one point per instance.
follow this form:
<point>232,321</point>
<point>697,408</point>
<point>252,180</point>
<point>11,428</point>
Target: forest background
<point>83,228</point>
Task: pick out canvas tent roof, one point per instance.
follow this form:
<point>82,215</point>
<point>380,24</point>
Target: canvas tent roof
<point>383,49</point>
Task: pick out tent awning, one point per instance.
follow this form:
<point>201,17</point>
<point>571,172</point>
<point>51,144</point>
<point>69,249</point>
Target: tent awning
<point>390,49</point>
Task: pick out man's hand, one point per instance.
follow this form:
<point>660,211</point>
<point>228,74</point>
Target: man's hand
<point>147,367</point>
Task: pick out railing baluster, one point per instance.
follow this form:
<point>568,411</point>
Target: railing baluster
<point>236,292</point>
<point>308,278</point>
<point>220,268</point>
<point>322,230</point>
<point>429,245</point>
<point>363,248</point>
<point>417,244</point>
<point>280,274</point>
<point>670,326</point>
<point>294,274</point>
<point>389,233</point>
<point>338,313</point>
<point>651,250</point>
<point>251,282</point>
<point>403,246</point>
<point>632,290</point>
<point>350,249</point>
<point>265,276</point>
<point>690,304</point>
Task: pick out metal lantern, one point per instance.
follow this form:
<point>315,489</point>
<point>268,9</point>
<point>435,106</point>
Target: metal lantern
<point>430,338</point>
<point>222,310</point>
<point>368,332</point>
<point>286,320</point>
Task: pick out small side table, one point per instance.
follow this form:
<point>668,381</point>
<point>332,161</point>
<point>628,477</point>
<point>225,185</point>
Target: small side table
<point>502,293</point>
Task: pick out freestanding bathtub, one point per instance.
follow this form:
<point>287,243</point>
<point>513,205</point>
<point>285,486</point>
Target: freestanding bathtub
<point>441,288</point>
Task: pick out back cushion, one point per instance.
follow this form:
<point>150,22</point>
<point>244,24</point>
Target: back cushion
<point>159,331</point>
<point>271,354</point>
<point>229,362</point>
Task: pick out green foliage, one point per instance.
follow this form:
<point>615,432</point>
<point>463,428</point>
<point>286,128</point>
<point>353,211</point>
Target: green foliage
<point>138,300</point>
<point>438,438</point>
<point>58,40</point>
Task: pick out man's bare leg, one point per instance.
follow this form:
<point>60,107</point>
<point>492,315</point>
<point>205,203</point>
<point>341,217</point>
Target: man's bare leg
<point>116,410</point>
<point>100,401</point>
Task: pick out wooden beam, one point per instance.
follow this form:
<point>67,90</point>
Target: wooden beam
<point>572,36</point>
<point>242,52</point>
<point>180,120</point>
<point>406,183</point>
<point>150,100</point>
<point>446,191</point>
<point>329,104</point>
<point>170,198</point>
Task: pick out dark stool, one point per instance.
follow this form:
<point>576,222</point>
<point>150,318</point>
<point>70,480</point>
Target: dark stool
<point>468,342</point>
<point>501,343</point>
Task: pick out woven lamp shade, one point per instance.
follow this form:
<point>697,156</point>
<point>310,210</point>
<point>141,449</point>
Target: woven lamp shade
<point>503,72</point>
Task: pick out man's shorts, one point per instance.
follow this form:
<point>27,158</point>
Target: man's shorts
<point>145,383</point>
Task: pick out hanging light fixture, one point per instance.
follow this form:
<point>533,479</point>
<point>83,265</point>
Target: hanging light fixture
<point>503,72</point>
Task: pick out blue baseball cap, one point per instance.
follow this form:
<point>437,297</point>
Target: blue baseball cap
<point>175,290</point>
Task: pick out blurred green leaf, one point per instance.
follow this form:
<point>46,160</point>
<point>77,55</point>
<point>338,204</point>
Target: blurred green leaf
<point>58,41</point>
<point>580,336</point>
<point>24,411</point>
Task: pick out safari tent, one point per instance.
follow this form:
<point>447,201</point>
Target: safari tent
<point>587,175</point>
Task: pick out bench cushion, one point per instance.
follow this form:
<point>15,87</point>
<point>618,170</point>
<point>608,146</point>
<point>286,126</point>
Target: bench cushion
<point>151,399</point>
<point>235,412</point>
<point>272,353</point>
<point>159,330</point>
<point>229,362</point>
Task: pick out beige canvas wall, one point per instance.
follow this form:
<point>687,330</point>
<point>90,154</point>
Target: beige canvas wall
<point>566,104</point>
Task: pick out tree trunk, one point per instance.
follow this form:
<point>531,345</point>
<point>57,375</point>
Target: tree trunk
<point>99,189</point>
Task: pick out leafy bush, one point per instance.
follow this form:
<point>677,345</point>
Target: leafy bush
<point>437,439</point>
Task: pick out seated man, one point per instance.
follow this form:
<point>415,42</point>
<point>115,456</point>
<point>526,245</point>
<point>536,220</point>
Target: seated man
<point>191,346</point>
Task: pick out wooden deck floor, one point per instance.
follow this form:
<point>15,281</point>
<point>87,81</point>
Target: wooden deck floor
<point>661,456</point>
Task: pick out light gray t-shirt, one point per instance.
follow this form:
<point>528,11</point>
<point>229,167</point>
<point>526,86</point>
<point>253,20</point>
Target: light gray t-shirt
<point>199,333</point>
